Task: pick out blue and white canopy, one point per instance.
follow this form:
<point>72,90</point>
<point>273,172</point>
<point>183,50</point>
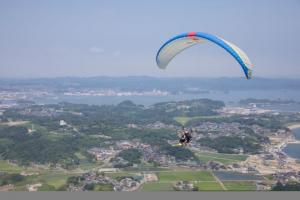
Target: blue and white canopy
<point>181,42</point>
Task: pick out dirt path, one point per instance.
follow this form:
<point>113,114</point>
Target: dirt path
<point>6,187</point>
<point>220,182</point>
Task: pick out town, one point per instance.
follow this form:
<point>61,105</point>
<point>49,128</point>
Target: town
<point>133,154</point>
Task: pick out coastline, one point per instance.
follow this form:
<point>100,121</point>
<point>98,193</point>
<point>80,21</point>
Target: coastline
<point>293,126</point>
<point>276,148</point>
<point>291,140</point>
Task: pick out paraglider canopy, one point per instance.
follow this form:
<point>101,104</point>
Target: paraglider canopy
<point>181,42</point>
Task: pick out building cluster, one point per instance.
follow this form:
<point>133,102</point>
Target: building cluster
<point>40,111</point>
<point>262,186</point>
<point>126,184</point>
<point>126,144</point>
<point>213,130</point>
<point>12,95</point>
<point>102,154</point>
<point>272,159</point>
<point>214,165</point>
<point>155,125</point>
<point>286,177</point>
<point>160,125</point>
<point>3,107</point>
<point>184,186</point>
<point>111,92</point>
<point>122,184</point>
<point>243,111</point>
<point>149,154</point>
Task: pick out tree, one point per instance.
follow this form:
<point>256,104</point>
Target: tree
<point>291,186</point>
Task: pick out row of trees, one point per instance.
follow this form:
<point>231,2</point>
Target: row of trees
<point>292,186</point>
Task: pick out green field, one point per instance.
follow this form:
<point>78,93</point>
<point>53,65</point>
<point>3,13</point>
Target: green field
<point>184,120</point>
<point>185,176</point>
<point>204,180</point>
<point>53,179</point>
<point>202,186</point>
<point>103,187</point>
<point>222,158</point>
<point>89,166</point>
<point>56,180</point>
<point>50,181</point>
<point>208,186</point>
<point>21,186</point>
<point>80,156</point>
<point>37,127</point>
<point>157,186</point>
<point>9,168</point>
<point>240,185</point>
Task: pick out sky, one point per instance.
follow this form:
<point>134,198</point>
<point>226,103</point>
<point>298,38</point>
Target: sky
<point>85,38</point>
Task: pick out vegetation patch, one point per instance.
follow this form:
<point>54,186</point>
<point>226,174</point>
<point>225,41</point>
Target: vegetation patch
<point>184,120</point>
<point>185,176</point>
<point>219,157</point>
<point>208,186</point>
<point>240,185</point>
<point>5,166</point>
<point>157,186</point>
<point>56,180</point>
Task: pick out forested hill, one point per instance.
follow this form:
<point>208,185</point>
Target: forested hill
<point>123,113</point>
<point>55,133</point>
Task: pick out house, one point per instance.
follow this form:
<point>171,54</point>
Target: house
<point>62,123</point>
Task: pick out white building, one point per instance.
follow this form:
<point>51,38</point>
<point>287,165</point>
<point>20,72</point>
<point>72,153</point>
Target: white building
<point>62,123</point>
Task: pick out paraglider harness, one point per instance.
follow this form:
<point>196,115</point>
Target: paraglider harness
<point>185,137</point>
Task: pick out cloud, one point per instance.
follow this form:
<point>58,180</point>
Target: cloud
<point>96,50</point>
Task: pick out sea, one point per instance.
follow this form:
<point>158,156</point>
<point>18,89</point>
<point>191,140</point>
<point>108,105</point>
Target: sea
<point>293,150</point>
<point>229,97</point>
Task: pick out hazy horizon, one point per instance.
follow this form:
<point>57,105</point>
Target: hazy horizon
<point>140,76</point>
<point>119,39</point>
